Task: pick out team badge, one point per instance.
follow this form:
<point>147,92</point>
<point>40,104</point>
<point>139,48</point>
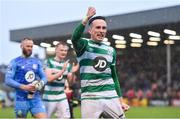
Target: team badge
<point>30,76</point>
<point>34,66</point>
<point>9,69</point>
<point>109,51</point>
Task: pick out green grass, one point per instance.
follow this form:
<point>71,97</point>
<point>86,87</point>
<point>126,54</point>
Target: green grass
<point>134,112</point>
<point>9,113</point>
<point>153,112</point>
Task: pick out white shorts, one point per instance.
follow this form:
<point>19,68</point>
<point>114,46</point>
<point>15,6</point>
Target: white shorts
<point>61,109</point>
<point>108,108</point>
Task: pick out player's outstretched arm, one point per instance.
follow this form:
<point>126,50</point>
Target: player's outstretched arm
<point>79,44</point>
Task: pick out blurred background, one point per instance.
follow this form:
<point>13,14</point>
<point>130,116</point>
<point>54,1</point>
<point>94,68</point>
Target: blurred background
<point>145,34</point>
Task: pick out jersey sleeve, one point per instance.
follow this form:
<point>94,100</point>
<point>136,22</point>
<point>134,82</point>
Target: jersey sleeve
<point>78,43</point>
<point>10,74</point>
<point>114,75</point>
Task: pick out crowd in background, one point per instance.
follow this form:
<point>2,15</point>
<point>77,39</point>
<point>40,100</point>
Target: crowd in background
<point>142,73</point>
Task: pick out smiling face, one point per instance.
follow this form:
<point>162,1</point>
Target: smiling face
<point>98,29</point>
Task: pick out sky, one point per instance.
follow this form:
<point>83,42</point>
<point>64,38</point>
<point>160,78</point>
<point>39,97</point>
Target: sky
<point>18,14</point>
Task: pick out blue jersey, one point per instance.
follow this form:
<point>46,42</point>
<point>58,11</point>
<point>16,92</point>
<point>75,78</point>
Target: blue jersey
<point>23,70</point>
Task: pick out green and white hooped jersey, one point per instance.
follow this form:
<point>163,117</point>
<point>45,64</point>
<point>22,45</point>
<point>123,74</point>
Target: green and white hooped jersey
<point>95,71</point>
<point>54,91</point>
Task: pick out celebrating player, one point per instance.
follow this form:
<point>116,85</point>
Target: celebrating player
<point>58,71</point>
<point>100,90</point>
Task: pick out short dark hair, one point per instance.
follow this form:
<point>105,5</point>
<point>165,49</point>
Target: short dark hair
<point>27,38</point>
<point>96,17</point>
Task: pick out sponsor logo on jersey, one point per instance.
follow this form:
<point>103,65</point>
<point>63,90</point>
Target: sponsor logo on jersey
<point>100,63</point>
<point>30,76</point>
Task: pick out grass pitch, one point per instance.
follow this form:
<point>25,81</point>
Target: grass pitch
<point>154,112</point>
<point>134,112</point>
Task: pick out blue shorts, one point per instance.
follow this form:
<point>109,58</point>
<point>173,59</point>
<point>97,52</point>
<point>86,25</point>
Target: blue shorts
<point>35,106</point>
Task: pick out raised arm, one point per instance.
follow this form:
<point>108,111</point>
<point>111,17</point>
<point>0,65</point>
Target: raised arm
<point>90,13</point>
<point>78,43</point>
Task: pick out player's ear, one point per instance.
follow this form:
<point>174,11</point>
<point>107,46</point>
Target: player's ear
<point>21,46</point>
<point>89,30</point>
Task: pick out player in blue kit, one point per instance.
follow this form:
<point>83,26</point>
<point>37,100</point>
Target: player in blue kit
<point>26,75</point>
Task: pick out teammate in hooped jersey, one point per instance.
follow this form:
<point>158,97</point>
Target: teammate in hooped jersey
<point>100,89</point>
<point>26,75</point>
<point>58,71</point>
